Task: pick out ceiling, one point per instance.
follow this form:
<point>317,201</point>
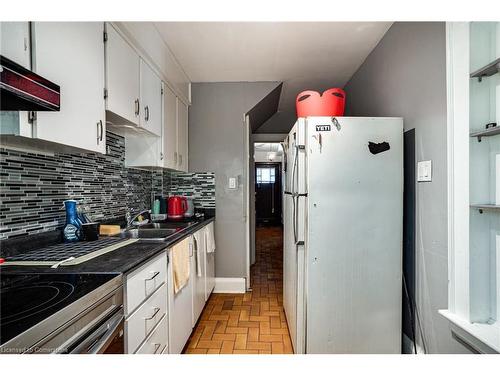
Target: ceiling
<point>303,55</point>
<point>268,147</point>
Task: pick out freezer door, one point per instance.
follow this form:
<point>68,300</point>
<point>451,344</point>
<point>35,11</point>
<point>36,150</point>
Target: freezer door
<point>293,244</point>
<point>355,216</point>
<point>289,249</point>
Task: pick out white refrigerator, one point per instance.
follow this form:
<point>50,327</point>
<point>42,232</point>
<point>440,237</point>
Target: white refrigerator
<point>343,228</point>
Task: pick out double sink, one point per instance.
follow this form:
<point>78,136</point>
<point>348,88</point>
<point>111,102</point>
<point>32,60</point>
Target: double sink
<point>158,232</point>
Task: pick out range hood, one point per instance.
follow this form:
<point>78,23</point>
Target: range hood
<point>23,90</point>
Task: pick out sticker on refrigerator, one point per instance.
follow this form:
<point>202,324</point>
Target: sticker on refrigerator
<point>323,128</point>
<point>377,148</point>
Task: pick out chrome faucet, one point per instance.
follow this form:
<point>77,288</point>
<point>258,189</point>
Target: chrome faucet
<point>130,219</point>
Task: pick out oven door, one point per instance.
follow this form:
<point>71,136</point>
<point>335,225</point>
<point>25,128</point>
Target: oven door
<point>106,338</point>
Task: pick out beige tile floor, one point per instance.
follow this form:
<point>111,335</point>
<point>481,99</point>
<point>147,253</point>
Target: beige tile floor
<point>250,323</point>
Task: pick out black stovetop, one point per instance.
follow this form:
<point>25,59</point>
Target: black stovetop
<point>27,299</point>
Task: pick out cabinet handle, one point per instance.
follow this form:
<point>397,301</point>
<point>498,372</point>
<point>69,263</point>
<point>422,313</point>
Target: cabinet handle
<point>136,103</point>
<point>180,159</point>
<point>175,157</point>
<point>157,347</point>
<point>157,309</point>
<point>152,277</point>
<point>146,113</point>
<point>161,155</point>
<point>99,131</point>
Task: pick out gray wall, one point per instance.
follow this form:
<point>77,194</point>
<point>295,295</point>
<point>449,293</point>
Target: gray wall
<point>217,144</point>
<point>405,75</point>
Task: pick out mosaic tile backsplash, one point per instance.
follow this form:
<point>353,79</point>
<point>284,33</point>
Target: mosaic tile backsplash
<point>200,186</point>
<point>34,186</point>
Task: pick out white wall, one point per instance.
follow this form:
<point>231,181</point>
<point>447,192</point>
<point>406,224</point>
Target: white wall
<point>405,75</point>
<point>217,143</point>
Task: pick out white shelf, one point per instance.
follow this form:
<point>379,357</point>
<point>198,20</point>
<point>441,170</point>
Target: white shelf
<point>486,132</point>
<point>485,338</point>
<point>481,207</point>
<point>487,70</point>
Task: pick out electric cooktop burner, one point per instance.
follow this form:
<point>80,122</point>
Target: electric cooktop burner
<point>27,299</point>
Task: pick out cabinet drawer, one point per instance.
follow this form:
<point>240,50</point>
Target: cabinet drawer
<point>142,322</point>
<point>157,341</point>
<point>141,283</point>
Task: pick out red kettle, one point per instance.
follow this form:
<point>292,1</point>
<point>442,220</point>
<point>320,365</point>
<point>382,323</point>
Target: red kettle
<point>177,205</point>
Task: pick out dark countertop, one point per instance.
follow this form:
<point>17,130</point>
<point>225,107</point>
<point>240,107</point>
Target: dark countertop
<point>120,261</point>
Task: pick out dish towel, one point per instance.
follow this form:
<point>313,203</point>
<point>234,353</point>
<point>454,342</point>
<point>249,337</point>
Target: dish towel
<point>180,262</point>
<point>197,252</point>
<point>210,238</point>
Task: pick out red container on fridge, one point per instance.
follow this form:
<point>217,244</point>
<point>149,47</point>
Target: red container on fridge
<point>177,205</point>
<point>312,103</point>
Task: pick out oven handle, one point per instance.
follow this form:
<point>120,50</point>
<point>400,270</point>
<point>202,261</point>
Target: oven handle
<point>99,340</point>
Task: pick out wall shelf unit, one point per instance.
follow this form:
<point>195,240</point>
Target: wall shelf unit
<point>486,132</point>
<point>487,71</point>
<point>483,207</point>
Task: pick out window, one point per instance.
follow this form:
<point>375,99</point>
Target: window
<point>266,175</point>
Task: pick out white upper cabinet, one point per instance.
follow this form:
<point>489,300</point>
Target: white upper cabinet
<point>122,80</point>
<point>169,141</point>
<point>15,42</point>
<point>182,136</point>
<point>150,99</point>
<point>70,54</point>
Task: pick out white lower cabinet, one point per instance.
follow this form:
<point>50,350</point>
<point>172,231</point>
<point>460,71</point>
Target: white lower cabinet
<point>157,341</point>
<point>209,265</point>
<point>146,308</point>
<point>142,282</point>
<point>180,308</point>
<point>186,306</point>
<point>198,263</point>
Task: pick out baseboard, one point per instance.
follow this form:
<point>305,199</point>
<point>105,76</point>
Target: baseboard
<point>229,285</point>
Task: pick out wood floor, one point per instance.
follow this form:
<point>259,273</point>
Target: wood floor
<point>250,323</point>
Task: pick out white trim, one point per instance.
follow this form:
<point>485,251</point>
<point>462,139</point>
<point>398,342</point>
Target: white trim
<point>485,338</point>
<point>229,285</point>
<point>457,83</point>
<point>247,214</point>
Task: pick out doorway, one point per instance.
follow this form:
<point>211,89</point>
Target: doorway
<point>268,195</point>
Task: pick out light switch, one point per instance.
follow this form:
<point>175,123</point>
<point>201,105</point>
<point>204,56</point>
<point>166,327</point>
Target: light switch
<point>232,182</point>
<point>424,169</point>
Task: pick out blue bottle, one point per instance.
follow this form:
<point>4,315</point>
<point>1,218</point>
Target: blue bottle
<point>71,230</point>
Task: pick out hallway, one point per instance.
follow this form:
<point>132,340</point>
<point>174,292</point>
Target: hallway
<point>250,323</point>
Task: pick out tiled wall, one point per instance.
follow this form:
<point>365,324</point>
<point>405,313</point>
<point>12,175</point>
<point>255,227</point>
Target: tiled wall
<point>201,186</point>
<point>34,186</point>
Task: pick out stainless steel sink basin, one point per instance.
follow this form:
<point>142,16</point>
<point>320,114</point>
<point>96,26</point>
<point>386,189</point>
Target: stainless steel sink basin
<point>169,225</point>
<point>149,234</point>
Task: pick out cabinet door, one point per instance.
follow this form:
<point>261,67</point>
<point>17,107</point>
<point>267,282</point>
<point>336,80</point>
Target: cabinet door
<point>150,100</point>
<point>122,78</point>
<point>169,134</point>
<point>182,136</point>
<point>15,42</point>
<point>181,311</point>
<point>209,268</point>
<point>71,55</point>
<point>198,280</point>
